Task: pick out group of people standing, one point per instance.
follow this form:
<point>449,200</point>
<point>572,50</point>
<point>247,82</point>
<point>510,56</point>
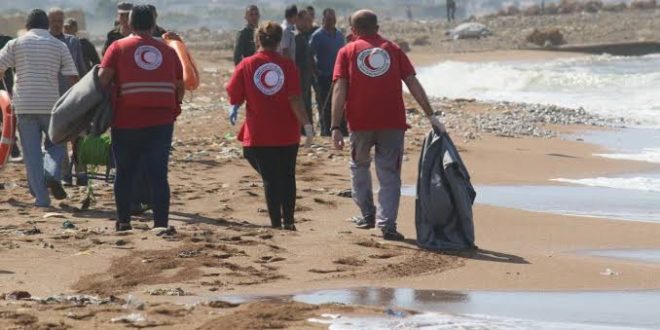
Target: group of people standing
<point>143,77</point>
<point>359,83</point>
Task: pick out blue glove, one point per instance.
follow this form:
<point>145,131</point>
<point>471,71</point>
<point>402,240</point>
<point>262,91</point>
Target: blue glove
<point>233,114</point>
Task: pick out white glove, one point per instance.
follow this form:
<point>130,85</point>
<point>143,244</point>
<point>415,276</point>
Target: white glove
<point>437,124</point>
<point>309,135</point>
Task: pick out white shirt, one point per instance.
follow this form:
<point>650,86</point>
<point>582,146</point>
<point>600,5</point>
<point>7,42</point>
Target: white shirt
<point>38,58</point>
<point>288,39</point>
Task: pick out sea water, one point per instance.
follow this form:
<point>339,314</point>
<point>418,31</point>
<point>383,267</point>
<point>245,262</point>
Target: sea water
<point>610,86</point>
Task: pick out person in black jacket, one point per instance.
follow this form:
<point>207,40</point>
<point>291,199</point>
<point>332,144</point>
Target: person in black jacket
<point>90,56</point>
<point>245,46</point>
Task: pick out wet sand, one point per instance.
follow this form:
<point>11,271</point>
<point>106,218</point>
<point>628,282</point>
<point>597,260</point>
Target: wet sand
<point>224,246</point>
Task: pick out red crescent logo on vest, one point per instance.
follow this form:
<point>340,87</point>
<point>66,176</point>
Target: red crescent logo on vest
<point>374,62</point>
<point>269,78</point>
<point>148,57</point>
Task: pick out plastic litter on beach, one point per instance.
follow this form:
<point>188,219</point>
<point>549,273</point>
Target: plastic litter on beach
<point>131,318</point>
<point>609,272</point>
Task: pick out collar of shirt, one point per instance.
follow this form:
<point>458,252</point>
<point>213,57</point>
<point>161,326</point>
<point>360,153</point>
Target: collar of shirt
<point>374,36</point>
<point>40,32</point>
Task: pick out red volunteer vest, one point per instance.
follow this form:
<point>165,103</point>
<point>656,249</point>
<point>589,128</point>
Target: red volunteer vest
<point>147,76</point>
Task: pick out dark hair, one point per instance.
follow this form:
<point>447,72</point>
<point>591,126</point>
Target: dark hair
<point>310,8</point>
<point>153,10</point>
<point>290,11</point>
<point>251,8</point>
<point>71,22</point>
<point>269,35</point>
<point>141,18</point>
<point>327,10</point>
<point>365,22</point>
<point>302,13</point>
<point>37,19</point>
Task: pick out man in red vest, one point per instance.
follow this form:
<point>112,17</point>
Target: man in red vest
<point>367,78</point>
<point>148,88</point>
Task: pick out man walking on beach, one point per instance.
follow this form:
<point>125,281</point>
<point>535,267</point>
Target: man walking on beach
<point>122,29</point>
<point>90,56</point>
<point>288,43</point>
<point>38,59</point>
<point>367,79</point>
<point>245,46</point>
<point>451,10</point>
<point>149,75</point>
<point>325,44</point>
<point>304,59</point>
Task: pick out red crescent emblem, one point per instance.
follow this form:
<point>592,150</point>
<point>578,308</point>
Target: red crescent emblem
<point>144,57</point>
<point>263,78</point>
<point>367,62</point>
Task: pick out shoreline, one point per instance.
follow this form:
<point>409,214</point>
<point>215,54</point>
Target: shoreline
<point>217,203</point>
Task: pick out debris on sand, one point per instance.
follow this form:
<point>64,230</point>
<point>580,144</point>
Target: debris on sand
<point>546,38</point>
<point>469,31</point>
<point>221,304</point>
<point>167,292</point>
<point>129,319</point>
<point>78,300</point>
<point>18,295</point>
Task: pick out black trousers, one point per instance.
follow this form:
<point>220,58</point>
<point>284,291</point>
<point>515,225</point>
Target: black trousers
<point>277,167</point>
<point>325,107</point>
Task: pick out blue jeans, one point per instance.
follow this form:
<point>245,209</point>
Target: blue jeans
<point>39,167</point>
<point>132,149</point>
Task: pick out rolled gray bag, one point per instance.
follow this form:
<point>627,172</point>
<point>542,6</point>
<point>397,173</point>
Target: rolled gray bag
<point>443,205</point>
<point>78,108</point>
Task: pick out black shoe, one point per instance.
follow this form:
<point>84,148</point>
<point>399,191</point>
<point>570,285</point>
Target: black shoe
<point>82,180</point>
<point>392,235</point>
<point>56,189</point>
<point>123,226</point>
<point>366,222</point>
<point>289,227</point>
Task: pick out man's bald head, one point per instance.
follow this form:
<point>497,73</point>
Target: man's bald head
<point>56,21</point>
<point>364,22</point>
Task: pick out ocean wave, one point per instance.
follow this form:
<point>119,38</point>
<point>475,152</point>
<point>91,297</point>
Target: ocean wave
<point>650,155</point>
<point>607,85</point>
<point>634,183</point>
<point>437,321</point>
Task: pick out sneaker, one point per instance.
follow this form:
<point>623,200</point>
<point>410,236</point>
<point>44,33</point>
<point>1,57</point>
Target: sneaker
<point>392,235</point>
<point>123,226</point>
<point>164,231</point>
<point>366,222</point>
<point>57,190</point>
<point>289,227</point>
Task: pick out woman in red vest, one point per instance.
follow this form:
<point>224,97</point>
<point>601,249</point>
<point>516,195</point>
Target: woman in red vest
<point>270,86</point>
<point>148,85</point>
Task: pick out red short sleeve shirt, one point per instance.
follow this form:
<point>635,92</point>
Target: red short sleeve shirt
<point>121,58</point>
<point>266,81</point>
<point>374,69</point>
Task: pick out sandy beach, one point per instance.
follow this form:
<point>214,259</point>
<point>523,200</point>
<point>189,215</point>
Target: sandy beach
<point>225,247</point>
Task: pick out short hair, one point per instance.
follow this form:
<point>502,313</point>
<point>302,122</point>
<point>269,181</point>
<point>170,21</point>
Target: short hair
<point>37,19</point>
<point>251,8</point>
<point>55,10</point>
<point>310,8</point>
<point>365,23</point>
<point>124,7</point>
<point>141,18</point>
<point>302,13</point>
<point>328,10</point>
<point>291,11</point>
<point>153,10</point>
<point>269,35</point>
<point>71,22</point>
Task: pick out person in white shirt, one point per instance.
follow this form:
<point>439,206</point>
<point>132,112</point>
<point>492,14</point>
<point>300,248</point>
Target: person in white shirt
<point>38,58</point>
<point>288,44</point>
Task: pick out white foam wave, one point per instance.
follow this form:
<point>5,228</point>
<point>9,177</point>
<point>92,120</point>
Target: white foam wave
<point>650,155</point>
<point>635,183</point>
<point>607,85</point>
<point>436,321</point>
